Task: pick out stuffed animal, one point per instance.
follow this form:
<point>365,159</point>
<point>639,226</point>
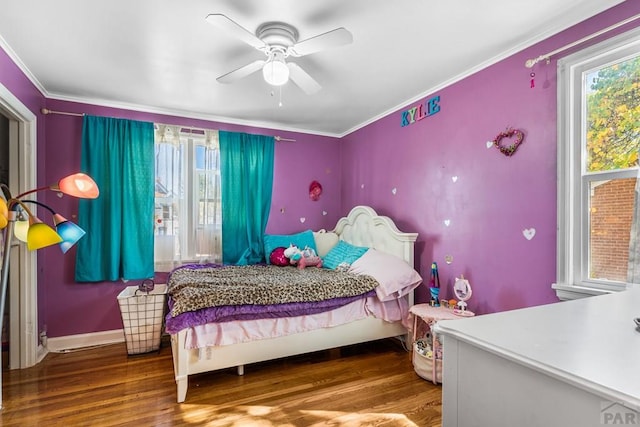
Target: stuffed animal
<point>277,257</point>
<point>309,258</point>
<point>293,254</point>
<point>302,258</point>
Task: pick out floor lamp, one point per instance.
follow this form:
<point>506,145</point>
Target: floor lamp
<point>36,233</point>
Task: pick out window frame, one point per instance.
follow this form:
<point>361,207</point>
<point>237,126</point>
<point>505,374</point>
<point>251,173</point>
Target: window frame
<point>189,209</point>
<point>572,279</point>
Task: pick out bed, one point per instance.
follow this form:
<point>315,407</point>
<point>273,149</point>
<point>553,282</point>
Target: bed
<point>362,227</point>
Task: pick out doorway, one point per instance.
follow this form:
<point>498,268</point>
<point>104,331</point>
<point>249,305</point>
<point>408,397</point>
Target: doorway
<point>4,179</point>
<point>22,289</point>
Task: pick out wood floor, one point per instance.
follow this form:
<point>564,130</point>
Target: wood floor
<point>365,385</point>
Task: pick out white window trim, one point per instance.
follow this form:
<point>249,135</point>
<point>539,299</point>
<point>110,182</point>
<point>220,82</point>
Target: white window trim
<point>189,139</point>
<point>572,202</point>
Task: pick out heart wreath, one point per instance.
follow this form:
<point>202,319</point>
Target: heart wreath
<point>508,150</point>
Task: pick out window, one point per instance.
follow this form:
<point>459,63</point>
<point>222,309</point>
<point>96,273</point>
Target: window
<point>188,218</point>
<point>598,142</point>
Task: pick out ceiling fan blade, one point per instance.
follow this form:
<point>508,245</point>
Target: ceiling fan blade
<point>242,72</point>
<point>303,80</point>
<point>234,29</point>
<point>334,38</point>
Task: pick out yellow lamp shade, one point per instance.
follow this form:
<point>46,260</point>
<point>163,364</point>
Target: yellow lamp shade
<point>79,185</point>
<point>4,213</point>
<point>40,235</point>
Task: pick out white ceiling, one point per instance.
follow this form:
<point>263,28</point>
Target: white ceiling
<point>162,56</point>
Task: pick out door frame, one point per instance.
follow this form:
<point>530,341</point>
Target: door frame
<point>23,288</point>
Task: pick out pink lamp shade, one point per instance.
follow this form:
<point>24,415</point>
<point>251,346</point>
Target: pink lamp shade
<point>79,185</point>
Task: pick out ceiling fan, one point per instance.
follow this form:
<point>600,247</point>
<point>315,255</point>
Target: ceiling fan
<point>278,41</point>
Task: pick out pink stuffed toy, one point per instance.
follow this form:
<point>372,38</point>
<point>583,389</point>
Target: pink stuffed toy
<point>304,258</point>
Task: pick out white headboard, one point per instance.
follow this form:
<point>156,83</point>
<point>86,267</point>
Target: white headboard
<point>364,227</point>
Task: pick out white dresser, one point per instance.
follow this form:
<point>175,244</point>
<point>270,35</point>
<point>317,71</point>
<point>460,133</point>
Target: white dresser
<point>573,363</point>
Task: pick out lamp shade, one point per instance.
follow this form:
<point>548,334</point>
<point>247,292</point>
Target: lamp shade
<point>68,231</point>
<point>40,235</point>
<point>4,213</point>
<point>79,185</point>
<point>275,71</point>
<point>20,229</point>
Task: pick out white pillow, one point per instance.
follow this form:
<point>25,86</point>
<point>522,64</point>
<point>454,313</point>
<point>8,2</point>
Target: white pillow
<point>325,241</point>
<point>396,278</point>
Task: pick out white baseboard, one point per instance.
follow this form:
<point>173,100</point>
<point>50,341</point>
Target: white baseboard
<point>41,353</point>
<point>70,342</point>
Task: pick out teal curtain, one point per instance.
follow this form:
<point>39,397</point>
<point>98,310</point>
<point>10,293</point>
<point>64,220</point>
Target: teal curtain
<point>119,155</point>
<point>246,169</point>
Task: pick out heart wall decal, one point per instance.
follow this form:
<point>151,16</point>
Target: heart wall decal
<point>529,233</point>
<point>508,150</point>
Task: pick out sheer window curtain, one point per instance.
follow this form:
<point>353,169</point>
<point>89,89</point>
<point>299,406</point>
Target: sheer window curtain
<point>188,218</point>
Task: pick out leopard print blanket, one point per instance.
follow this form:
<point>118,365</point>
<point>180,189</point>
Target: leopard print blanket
<point>196,288</point>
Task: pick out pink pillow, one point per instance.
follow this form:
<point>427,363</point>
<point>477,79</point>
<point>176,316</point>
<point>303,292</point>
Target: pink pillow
<point>396,278</point>
<point>277,257</point>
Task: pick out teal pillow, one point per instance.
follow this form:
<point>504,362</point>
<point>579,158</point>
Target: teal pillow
<point>342,252</point>
<point>301,240</point>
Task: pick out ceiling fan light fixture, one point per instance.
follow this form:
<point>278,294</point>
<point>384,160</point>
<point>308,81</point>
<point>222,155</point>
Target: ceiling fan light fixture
<point>275,71</point>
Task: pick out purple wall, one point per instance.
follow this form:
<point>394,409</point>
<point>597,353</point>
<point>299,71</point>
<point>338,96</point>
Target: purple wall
<point>494,197</point>
<point>66,304</point>
<point>489,205</point>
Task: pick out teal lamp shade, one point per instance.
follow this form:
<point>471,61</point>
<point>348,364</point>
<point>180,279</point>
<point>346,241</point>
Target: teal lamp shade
<point>68,231</point>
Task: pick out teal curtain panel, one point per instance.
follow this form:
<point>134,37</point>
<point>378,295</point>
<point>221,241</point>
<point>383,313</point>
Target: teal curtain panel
<point>119,155</point>
<point>246,168</point>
